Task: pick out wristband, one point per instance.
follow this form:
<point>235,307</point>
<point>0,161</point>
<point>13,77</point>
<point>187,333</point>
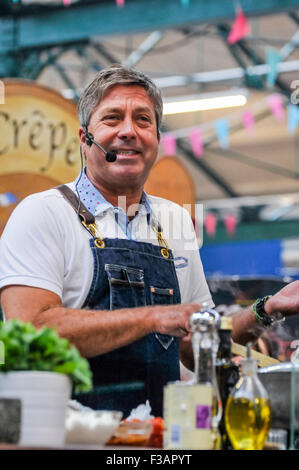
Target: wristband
<point>260,313</point>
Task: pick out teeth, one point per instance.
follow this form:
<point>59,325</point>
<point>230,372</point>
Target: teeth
<point>126,152</point>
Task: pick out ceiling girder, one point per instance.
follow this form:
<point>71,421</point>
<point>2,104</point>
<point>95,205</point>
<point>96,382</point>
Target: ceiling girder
<point>148,44</point>
<point>86,19</point>
<point>224,75</point>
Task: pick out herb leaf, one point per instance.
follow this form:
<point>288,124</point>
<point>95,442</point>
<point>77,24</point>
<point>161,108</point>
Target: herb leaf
<point>28,348</point>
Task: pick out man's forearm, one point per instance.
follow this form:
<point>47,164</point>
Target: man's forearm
<point>97,332</point>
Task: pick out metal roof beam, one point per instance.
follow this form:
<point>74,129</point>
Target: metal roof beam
<point>143,49</point>
<point>103,18</point>
<point>224,75</point>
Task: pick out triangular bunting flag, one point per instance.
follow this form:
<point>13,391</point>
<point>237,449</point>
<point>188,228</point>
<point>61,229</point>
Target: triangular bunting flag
<point>169,144</point>
<point>196,142</point>
<point>273,59</point>
<point>293,118</point>
<point>276,105</point>
<point>240,27</point>
<point>210,223</point>
<point>222,130</point>
<point>248,121</point>
<point>230,222</point>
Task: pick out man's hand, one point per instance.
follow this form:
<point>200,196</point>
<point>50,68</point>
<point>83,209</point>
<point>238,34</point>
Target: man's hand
<point>285,301</point>
<point>174,319</point>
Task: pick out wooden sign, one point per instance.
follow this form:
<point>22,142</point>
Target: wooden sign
<point>171,180</point>
<point>39,142</point>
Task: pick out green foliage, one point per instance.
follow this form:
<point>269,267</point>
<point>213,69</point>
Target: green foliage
<point>28,348</point>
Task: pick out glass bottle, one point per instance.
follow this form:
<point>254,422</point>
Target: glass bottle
<point>205,342</point>
<point>248,413</point>
<point>192,410</point>
<point>227,373</point>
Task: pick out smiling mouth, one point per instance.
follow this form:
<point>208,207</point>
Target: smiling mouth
<point>127,153</point>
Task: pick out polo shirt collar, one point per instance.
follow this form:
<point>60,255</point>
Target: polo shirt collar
<point>95,202</point>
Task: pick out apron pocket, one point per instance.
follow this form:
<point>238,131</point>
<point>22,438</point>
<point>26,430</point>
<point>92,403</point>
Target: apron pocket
<point>127,287</point>
<point>161,296</point>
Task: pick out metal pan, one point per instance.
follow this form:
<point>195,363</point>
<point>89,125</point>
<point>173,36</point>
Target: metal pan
<point>282,384</point>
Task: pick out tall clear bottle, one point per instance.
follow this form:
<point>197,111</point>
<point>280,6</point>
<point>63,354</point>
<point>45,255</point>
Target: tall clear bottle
<point>205,341</point>
<point>227,373</point>
<point>192,411</point>
<point>248,412</point>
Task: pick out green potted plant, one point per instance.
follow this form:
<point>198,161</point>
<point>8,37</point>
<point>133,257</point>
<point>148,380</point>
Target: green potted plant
<point>40,369</point>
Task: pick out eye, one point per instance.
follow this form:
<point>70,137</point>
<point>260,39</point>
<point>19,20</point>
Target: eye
<point>110,117</point>
<point>144,118</point>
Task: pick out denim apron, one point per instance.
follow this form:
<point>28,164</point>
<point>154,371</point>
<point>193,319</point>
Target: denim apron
<point>129,274</point>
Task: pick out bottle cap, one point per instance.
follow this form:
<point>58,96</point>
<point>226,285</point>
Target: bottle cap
<point>226,323</point>
<point>206,318</point>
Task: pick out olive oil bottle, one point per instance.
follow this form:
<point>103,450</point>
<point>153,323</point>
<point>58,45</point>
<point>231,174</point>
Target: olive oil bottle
<point>248,412</point>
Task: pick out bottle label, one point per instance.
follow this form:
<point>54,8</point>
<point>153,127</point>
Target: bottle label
<point>203,417</point>
<point>175,434</point>
<point>188,416</point>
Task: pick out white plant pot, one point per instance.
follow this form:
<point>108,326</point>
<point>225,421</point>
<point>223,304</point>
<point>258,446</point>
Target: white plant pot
<point>44,397</point>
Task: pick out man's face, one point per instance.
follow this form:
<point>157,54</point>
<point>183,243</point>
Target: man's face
<point>124,121</point>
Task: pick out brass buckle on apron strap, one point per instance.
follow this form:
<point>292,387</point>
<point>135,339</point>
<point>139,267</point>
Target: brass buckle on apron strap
<point>92,228</point>
<point>162,241</point>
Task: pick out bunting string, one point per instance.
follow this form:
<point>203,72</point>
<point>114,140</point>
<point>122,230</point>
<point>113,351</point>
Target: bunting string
<point>276,103</point>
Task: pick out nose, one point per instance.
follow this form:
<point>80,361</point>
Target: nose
<point>127,129</point>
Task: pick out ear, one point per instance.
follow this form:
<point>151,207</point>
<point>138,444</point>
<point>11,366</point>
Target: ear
<point>158,136</point>
<point>82,136</point>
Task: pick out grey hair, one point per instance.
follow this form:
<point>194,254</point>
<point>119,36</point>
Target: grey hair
<point>117,75</point>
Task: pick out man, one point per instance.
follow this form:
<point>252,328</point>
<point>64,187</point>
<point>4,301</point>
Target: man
<point>121,285</point>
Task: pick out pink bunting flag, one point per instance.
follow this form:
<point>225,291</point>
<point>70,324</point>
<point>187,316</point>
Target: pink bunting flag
<point>196,142</point>
<point>66,3</point>
<point>240,27</point>
<point>230,222</point>
<point>169,144</point>
<point>276,105</point>
<point>120,3</point>
<point>248,121</point>
<point>210,223</point>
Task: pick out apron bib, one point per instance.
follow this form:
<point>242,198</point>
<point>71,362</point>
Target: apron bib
<point>130,274</point>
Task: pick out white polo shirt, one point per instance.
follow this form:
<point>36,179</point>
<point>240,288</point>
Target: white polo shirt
<point>44,244</point>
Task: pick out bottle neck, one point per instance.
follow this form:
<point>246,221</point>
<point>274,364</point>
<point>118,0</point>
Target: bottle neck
<point>204,373</point>
<point>225,346</point>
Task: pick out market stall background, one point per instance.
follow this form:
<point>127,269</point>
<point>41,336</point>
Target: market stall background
<point>242,161</point>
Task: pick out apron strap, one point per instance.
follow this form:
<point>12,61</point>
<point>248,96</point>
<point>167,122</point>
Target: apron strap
<point>87,219</point>
<point>76,204</point>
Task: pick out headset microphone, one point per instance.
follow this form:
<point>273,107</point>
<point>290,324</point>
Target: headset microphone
<point>110,156</point>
